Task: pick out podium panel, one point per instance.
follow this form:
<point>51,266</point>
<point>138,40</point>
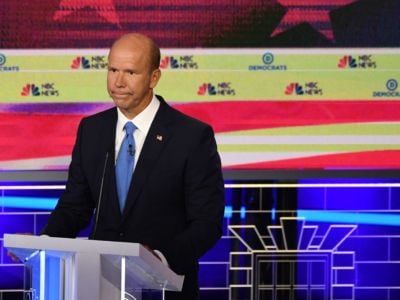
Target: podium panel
<point>70,269</point>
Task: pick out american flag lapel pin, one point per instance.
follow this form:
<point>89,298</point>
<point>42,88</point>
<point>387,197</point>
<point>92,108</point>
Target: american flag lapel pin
<point>159,137</point>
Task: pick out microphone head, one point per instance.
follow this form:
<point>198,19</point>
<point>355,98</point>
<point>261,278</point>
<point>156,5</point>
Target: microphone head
<point>131,150</point>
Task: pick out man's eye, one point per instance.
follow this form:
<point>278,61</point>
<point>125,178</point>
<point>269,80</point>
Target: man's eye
<point>130,72</point>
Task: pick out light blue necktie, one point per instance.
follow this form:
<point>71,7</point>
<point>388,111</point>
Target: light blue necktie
<point>124,165</point>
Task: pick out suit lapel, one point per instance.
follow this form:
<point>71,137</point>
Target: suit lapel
<point>156,140</point>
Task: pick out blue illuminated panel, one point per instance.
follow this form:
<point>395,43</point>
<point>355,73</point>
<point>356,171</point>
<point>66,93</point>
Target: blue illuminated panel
<point>364,265</point>
<point>373,274</point>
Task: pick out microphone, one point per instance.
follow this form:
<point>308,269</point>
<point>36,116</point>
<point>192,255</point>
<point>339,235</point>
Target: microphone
<point>131,151</point>
<point>100,197</point>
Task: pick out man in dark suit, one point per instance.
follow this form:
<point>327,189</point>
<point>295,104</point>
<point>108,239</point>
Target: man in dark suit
<point>175,200</point>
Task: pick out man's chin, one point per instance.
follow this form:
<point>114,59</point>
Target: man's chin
<point>121,102</point>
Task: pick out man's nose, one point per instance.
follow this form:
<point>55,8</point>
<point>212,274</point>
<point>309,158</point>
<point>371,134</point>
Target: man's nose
<point>120,81</point>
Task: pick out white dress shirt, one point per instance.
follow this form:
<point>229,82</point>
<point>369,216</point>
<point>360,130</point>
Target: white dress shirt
<point>142,122</point>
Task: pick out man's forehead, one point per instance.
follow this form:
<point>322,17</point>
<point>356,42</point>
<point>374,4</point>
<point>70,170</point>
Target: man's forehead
<point>132,41</point>
<point>129,49</point>
<point>126,54</point>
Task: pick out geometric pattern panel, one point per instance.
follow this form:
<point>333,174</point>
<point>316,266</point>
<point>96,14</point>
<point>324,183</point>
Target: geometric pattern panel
<point>268,231</point>
<point>291,272</point>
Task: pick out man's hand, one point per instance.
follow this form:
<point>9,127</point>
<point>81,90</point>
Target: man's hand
<point>158,254</point>
<point>12,255</point>
<point>152,251</point>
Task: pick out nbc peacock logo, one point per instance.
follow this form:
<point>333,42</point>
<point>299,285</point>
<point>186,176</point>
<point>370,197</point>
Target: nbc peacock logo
<point>80,62</point>
<point>47,89</point>
<point>309,88</point>
<point>98,62</point>
<point>30,89</point>
<point>360,62</point>
<point>169,62</point>
<point>180,62</point>
<point>294,89</point>
<point>347,61</point>
<point>221,89</point>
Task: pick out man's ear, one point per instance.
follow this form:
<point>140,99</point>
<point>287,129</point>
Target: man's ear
<point>155,77</point>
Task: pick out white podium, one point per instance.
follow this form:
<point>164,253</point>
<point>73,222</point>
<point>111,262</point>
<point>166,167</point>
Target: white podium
<point>78,269</point>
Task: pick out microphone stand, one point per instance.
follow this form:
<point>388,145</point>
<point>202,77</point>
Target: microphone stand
<point>100,197</point>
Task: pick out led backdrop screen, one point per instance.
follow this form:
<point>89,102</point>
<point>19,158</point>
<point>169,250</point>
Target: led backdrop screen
<point>299,84</point>
<point>236,65</point>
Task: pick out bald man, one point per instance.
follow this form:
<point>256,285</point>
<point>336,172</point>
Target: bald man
<point>175,199</point>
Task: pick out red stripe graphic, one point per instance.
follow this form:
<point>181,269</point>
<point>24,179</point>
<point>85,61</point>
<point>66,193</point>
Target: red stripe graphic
<point>386,159</point>
<point>28,135</point>
<point>246,115</point>
<point>25,136</point>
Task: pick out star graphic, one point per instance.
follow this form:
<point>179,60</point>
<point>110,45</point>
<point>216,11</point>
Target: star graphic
<point>104,8</point>
<point>314,12</point>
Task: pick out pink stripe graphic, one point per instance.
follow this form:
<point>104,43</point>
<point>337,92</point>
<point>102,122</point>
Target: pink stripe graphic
<point>386,159</point>
<point>29,135</point>
<point>245,115</point>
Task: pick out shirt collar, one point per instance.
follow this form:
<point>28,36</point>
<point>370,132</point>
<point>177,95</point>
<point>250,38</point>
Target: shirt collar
<point>143,120</point>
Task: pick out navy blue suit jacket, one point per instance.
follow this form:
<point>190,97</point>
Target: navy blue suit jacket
<point>176,200</point>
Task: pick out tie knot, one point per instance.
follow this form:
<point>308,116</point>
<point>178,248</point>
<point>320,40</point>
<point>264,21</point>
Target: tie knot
<point>129,128</point>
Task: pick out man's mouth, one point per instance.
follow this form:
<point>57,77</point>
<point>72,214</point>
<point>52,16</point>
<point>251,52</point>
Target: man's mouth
<point>119,95</point>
